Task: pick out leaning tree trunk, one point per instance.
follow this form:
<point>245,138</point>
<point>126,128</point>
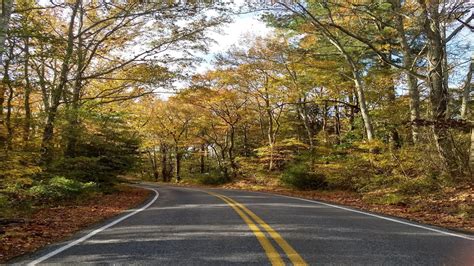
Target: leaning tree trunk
<point>364,111</point>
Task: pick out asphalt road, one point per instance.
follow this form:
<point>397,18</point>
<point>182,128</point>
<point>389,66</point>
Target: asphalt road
<point>192,227</point>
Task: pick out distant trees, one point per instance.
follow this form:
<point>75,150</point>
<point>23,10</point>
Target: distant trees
<point>337,82</point>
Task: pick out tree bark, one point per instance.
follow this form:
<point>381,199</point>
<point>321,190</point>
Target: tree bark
<point>7,6</point>
<point>408,64</point>
<point>177,166</point>
<point>73,114</point>
<point>471,152</point>
<point>337,123</point>
<point>164,163</point>
<point>202,159</point>
<point>438,91</point>
<point>48,133</point>
<point>466,91</point>
<point>27,123</point>
<point>231,149</point>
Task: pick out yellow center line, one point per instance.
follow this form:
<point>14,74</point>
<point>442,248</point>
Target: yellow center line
<point>271,252</point>
<point>294,257</point>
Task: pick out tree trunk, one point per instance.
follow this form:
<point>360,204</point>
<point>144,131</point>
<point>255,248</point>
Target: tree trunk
<point>177,166</point>
<point>7,7</point>
<point>325,122</point>
<point>471,152</point>
<point>202,165</point>
<point>352,110</point>
<point>164,163</point>
<point>362,105</point>
<point>73,114</point>
<point>246,145</point>
<point>270,138</point>
<point>408,64</point>
<point>6,83</point>
<point>48,133</point>
<point>303,113</point>
<point>8,119</point>
<point>438,91</point>
<point>153,164</point>
<point>337,123</point>
<point>27,123</point>
<point>466,91</point>
<point>231,149</point>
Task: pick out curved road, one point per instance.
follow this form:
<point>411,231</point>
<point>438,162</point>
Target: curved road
<point>185,226</point>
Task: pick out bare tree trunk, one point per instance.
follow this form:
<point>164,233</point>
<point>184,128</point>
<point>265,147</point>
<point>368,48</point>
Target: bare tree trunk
<point>466,91</point>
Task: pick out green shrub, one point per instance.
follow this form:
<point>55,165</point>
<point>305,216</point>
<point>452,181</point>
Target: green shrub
<point>418,186</point>
<point>60,187</point>
<point>84,169</point>
<point>385,199</point>
<point>300,177</point>
<point>213,178</point>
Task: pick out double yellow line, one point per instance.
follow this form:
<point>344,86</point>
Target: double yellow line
<point>272,254</point>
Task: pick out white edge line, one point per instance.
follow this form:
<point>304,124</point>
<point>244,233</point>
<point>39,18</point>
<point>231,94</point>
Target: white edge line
<point>96,231</point>
<point>380,217</point>
<point>361,212</point>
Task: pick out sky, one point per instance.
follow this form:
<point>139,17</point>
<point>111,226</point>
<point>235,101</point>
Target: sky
<point>231,34</point>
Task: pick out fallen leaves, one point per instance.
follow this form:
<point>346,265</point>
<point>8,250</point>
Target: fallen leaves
<point>51,224</point>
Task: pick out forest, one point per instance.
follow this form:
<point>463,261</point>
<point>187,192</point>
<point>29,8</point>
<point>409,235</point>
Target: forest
<point>369,97</point>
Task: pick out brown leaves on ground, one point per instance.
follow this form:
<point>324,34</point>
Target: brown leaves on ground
<point>50,224</point>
